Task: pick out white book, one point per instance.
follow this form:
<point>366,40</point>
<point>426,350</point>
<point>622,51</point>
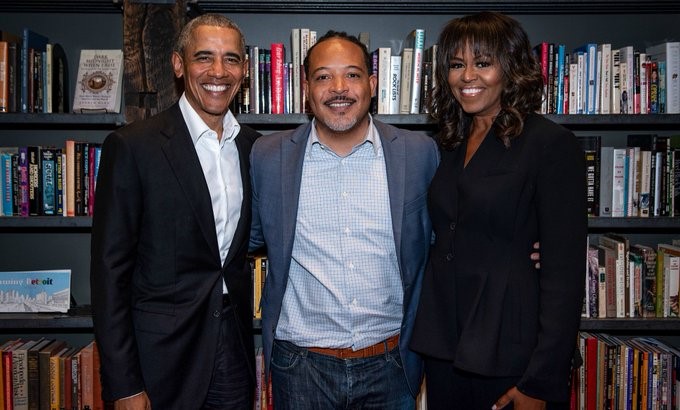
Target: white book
<point>618,182</point>
<point>47,78</point>
<point>255,80</point>
<point>581,82</point>
<point>573,87</point>
<point>297,66</point>
<point>627,57</point>
<point>606,79</point>
<point>417,37</point>
<point>606,180</point>
<point>645,182</point>
<point>99,82</point>
<point>633,186</point>
<point>384,79</point>
<point>395,84</point>
<point>615,95</point>
<point>406,74</point>
<point>598,82</point>
<point>644,85</point>
<point>670,53</point>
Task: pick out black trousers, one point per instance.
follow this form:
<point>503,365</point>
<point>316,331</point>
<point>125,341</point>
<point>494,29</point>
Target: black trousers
<point>449,388</point>
<point>231,387</point>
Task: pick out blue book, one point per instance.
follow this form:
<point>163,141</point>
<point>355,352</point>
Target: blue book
<point>561,50</point>
<point>590,73</point>
<point>31,42</point>
<point>48,172</point>
<point>7,182</point>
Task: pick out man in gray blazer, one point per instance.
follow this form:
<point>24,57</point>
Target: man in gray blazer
<point>340,204</point>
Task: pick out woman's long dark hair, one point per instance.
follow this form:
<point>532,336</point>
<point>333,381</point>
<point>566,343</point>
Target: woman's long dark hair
<point>504,40</point>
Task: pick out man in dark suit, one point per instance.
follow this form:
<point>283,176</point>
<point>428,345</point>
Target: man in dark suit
<point>171,285</point>
<point>341,205</point>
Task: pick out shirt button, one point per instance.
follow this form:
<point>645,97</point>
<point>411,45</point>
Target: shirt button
<point>452,226</point>
<point>216,313</point>
<point>449,257</point>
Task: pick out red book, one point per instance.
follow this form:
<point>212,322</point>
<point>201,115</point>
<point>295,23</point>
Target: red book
<point>278,93</point>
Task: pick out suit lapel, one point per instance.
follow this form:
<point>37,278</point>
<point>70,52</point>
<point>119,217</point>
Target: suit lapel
<point>292,158</point>
<point>395,166</point>
<point>181,154</point>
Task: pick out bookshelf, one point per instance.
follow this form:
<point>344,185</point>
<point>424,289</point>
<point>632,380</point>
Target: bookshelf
<point>47,242</point>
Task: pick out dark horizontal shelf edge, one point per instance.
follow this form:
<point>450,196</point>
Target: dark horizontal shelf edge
<point>632,324</point>
<point>30,321</point>
<point>365,6</point>
<point>58,119</point>
<point>586,120</point>
<point>631,223</point>
<point>45,222</point>
<point>440,7</point>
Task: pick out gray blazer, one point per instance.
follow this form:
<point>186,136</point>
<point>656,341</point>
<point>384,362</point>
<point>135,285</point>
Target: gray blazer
<point>411,160</point>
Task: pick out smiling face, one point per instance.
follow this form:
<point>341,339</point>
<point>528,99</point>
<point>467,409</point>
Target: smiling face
<point>339,89</point>
<point>476,82</point>
<point>212,67</point>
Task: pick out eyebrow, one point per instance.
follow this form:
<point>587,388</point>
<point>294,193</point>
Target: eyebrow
<point>349,67</point>
<point>209,53</point>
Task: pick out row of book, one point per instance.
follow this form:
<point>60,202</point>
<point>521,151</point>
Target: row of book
<point>597,78</point>
<point>275,78</point>
<point>50,181</point>
<point>636,373</point>
<point>44,374</point>
<point>631,280</point>
<point>641,179</point>
<point>33,74</point>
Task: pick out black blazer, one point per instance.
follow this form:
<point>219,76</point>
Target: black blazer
<point>156,274</point>
<point>484,306</point>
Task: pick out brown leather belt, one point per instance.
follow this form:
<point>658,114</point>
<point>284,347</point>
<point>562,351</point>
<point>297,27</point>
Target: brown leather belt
<point>347,352</point>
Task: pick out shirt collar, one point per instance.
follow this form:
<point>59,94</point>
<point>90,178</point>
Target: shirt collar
<point>197,127</point>
<point>371,137</point>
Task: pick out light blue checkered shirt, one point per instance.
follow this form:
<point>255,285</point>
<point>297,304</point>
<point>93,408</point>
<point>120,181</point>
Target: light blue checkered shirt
<point>344,288</point>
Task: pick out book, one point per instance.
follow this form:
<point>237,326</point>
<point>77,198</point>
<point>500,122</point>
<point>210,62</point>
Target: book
<point>591,145</point>
<point>48,174</point>
<point>669,52</point>
<point>416,40</point>
<point>44,373</point>
<point>606,180</point>
<point>35,291</point>
<point>60,80</point>
<point>395,84</point>
<point>668,280</point>
<point>99,81</point>
<point>34,181</point>
<point>626,64</point>
<point>277,89</point>
<point>406,76</point>
<point>589,51</point>
<point>33,365</point>
<point>4,76</point>
<point>620,247</point>
<point>384,79</point>
<point>32,42</point>
<point>20,374</point>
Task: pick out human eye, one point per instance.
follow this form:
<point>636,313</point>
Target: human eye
<point>232,60</point>
<point>455,65</point>
<point>322,77</point>
<point>484,64</point>
<point>353,75</point>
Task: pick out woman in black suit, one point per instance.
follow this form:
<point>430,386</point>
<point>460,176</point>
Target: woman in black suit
<point>494,330</point>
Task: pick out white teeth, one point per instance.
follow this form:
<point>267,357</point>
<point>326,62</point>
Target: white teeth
<point>470,90</point>
<point>345,104</point>
<point>215,87</point>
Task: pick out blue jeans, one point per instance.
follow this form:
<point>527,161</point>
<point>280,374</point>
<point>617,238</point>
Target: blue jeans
<point>304,380</point>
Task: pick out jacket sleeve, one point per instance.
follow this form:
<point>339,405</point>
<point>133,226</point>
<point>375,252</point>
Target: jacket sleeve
<point>115,230</point>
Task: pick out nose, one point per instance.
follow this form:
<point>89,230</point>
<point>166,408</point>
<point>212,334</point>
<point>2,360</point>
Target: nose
<point>218,68</point>
<point>338,85</point>
<point>469,73</point>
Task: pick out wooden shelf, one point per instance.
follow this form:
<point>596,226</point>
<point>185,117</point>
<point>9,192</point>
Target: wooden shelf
<point>664,325</point>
